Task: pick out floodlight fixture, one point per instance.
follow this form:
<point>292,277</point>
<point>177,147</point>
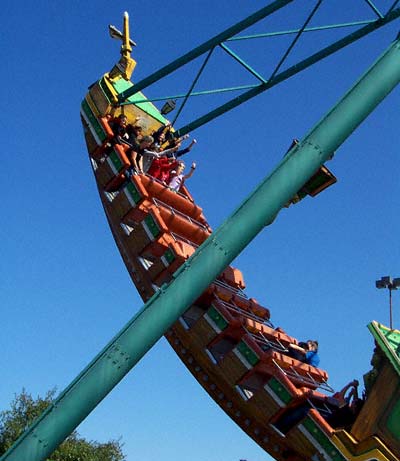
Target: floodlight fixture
<point>391,284</point>
<point>396,283</point>
<point>168,107</point>
<point>387,280</point>
<point>379,284</point>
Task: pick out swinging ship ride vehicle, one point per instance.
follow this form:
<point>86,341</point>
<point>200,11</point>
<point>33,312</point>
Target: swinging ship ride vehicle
<point>225,338</point>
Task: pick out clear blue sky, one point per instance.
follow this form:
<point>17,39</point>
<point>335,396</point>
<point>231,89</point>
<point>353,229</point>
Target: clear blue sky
<point>64,289</point>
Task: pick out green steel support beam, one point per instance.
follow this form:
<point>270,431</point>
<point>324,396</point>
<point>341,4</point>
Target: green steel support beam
<point>298,67</point>
<point>191,279</point>
<point>298,35</point>
<point>206,46</point>
<point>393,6</point>
<point>242,62</point>
<point>188,94</point>
<point>295,69</point>
<point>375,9</point>
<point>295,31</point>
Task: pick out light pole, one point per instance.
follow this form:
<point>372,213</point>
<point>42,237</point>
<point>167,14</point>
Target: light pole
<point>391,284</point>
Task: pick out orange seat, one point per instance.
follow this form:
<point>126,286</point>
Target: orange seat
<point>269,332</point>
<point>233,277</point>
<point>178,201</point>
<point>182,224</point>
<point>251,305</point>
<point>259,310</point>
<point>273,382</point>
<point>303,370</point>
<point>146,216</point>
<point>104,121</point>
<point>172,221</point>
<point>174,256</point>
<point>226,293</point>
<point>185,191</point>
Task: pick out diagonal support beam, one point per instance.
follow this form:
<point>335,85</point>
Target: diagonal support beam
<point>206,46</point>
<point>242,62</point>
<point>374,9</point>
<point>189,93</point>
<point>296,31</point>
<point>295,69</point>
<point>393,6</point>
<point>295,40</point>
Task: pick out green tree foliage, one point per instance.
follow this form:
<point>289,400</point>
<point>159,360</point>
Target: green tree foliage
<point>24,410</point>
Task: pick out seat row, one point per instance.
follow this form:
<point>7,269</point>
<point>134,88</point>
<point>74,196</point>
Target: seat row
<point>164,229</point>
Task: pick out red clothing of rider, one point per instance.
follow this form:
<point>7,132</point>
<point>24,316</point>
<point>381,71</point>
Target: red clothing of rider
<point>161,168</point>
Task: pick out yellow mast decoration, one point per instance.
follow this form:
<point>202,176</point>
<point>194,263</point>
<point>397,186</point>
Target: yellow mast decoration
<point>126,64</point>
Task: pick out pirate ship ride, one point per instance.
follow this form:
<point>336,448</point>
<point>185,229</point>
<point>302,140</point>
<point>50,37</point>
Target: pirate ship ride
<point>224,337</point>
<point>193,296</point>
